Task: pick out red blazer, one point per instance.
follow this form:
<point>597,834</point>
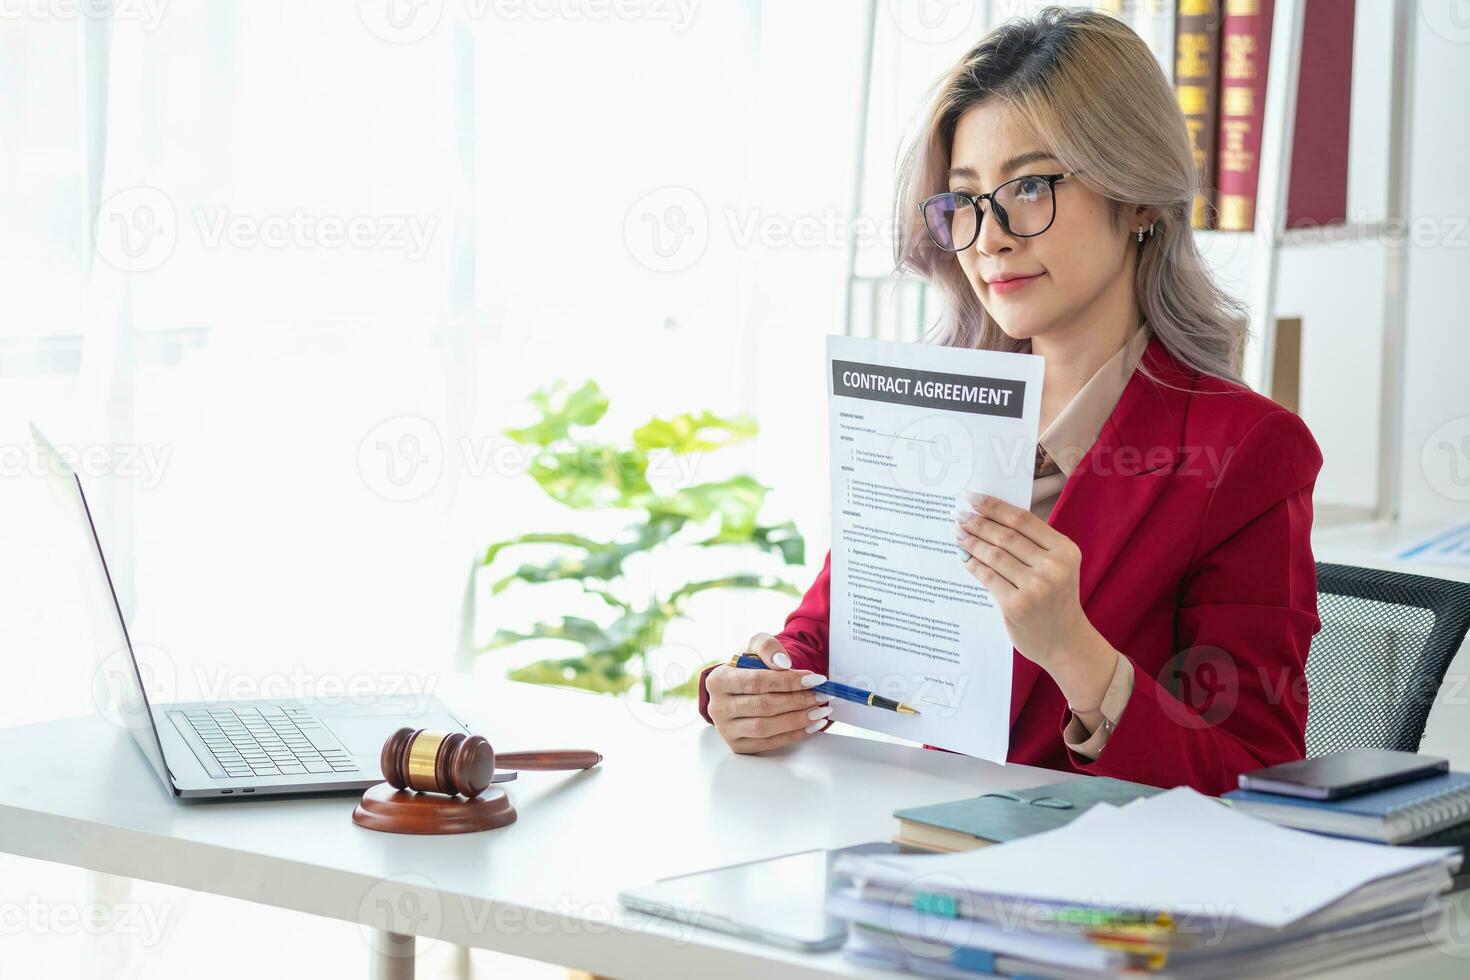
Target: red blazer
<point>1193,513</point>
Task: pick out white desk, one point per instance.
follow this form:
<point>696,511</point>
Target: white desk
<point>1374,545</point>
<point>669,797</point>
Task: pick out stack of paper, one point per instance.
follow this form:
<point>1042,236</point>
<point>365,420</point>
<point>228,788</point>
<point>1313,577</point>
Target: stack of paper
<point>1177,884</point>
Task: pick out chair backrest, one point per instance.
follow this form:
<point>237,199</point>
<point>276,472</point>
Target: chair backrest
<point>1375,666</point>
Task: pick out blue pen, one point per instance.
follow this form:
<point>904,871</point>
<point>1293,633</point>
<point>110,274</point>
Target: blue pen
<point>844,691</point>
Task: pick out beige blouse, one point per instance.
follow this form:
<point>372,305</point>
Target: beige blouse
<point>1060,448</point>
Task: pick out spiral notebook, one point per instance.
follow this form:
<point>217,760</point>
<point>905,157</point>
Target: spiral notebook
<point>1392,816</point>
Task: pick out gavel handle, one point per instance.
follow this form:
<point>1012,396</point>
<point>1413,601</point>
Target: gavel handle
<point>549,759</point>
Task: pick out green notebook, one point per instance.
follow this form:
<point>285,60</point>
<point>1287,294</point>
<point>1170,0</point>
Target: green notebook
<point>1009,814</point>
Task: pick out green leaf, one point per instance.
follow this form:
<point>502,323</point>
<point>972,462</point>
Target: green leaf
<point>769,582</point>
<point>780,538</point>
<point>607,597</point>
<point>627,636</point>
<point>736,501</point>
<point>689,433</point>
<point>584,673</point>
<point>634,632</point>
<point>593,476</point>
<point>539,537</point>
<point>599,561</point>
<point>561,410</point>
<point>574,628</point>
<point>586,475</point>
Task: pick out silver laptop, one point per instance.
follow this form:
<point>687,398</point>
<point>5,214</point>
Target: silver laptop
<point>234,749</point>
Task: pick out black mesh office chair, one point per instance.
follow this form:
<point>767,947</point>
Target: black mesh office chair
<point>1374,668</point>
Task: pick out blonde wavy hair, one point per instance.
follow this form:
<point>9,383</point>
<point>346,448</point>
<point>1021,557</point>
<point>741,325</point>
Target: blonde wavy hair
<point>1095,97</point>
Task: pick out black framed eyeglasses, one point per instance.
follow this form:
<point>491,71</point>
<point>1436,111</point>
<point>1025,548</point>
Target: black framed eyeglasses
<point>1024,206</point>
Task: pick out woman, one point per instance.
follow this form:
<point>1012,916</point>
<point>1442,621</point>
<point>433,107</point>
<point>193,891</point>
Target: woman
<point>1160,592</point>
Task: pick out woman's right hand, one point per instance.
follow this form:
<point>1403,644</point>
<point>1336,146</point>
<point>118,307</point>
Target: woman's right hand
<point>756,710</point>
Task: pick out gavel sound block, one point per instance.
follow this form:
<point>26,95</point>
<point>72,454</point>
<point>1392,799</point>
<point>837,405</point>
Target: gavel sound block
<point>440,783</point>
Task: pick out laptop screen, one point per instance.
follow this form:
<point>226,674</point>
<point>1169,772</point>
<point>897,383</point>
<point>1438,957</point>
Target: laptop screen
<point>118,683</point>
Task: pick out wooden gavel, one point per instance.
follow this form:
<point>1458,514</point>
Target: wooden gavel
<point>456,763</point>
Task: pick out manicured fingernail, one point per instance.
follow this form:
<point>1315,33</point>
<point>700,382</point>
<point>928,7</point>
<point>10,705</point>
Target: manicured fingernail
<point>822,712</point>
<point>812,680</point>
<point>782,660</point>
<point>963,513</point>
<point>815,726</point>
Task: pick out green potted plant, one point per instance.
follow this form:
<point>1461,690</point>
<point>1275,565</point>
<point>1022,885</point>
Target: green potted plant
<point>587,475</point>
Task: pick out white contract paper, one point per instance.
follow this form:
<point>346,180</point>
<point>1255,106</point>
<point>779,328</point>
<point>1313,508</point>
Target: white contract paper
<point>914,427</point>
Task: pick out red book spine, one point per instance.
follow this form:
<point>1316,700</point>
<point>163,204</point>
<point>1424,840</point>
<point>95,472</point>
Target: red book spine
<point>1319,150</point>
<point>1245,55</point>
<point>1197,87</point>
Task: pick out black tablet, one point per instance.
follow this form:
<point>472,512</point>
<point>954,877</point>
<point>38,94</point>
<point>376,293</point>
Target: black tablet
<point>1343,773</point>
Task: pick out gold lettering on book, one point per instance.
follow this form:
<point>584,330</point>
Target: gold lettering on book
<point>1234,157</point>
<point>1240,52</point>
<point>1235,211</point>
<point>1190,62</point>
<point>1237,100</point>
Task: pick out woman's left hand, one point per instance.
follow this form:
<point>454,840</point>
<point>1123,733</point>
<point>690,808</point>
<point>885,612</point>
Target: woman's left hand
<point>1032,569</point>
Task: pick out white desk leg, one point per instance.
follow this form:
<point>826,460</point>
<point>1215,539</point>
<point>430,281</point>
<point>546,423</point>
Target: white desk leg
<point>391,956</point>
<point>461,968</point>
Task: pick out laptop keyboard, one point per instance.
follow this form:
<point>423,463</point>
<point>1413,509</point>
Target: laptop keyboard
<point>270,740</point>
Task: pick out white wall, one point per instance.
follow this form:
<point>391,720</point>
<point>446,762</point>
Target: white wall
<point>1434,458</point>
